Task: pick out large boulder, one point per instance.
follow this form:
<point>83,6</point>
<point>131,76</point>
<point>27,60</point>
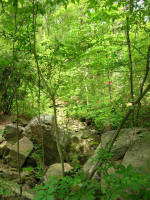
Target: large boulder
<point>126,139</point>
<point>88,166</point>
<point>56,170</point>
<point>25,148</point>
<point>42,133</point>
<point>11,133</point>
<point>138,155</point>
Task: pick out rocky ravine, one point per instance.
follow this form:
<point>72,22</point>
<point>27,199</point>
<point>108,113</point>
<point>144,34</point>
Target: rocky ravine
<point>78,144</point>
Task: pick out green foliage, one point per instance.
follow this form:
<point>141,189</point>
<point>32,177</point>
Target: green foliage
<point>75,188</point>
<point>104,155</point>
<point>100,115</point>
<point>127,183</point>
<point>1,132</point>
<point>5,190</point>
<point>46,191</point>
<point>7,88</point>
<point>83,55</point>
<point>28,169</point>
<point>75,162</point>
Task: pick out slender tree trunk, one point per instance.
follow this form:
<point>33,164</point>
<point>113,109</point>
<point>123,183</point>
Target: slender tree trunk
<point>93,82</point>
<point>15,5</point>
<point>130,64</point>
<point>56,124</point>
<point>57,135</point>
<point>86,87</point>
<point>39,119</point>
<point>143,82</point>
<point>39,78</point>
<point>44,27</point>
<point>52,96</point>
<point>110,89</point>
<point>18,147</point>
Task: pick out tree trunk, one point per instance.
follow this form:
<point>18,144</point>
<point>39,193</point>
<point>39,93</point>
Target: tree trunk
<point>57,136</point>
<point>15,5</point>
<point>109,89</point>
<point>86,87</point>
<point>130,65</point>
<point>52,96</point>
<point>143,82</point>
<point>39,78</point>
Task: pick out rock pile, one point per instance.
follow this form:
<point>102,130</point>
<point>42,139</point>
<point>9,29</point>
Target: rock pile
<point>131,148</point>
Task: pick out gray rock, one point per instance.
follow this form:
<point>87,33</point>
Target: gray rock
<point>79,148</point>
<point>87,167</point>
<point>124,141</point>
<point>138,156</point>
<point>25,148</point>
<point>43,134</point>
<point>56,170</point>
<point>11,133</point>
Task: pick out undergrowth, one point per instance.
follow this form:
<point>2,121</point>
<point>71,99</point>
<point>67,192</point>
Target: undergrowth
<point>125,183</point>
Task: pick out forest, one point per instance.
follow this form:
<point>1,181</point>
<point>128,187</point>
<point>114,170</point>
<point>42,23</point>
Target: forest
<point>74,100</point>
